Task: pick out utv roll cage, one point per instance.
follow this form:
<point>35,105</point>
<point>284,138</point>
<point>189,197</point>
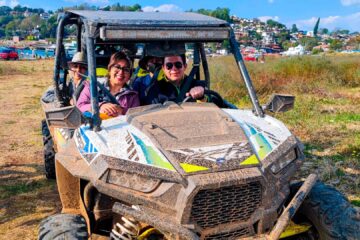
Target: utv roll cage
<point>108,27</point>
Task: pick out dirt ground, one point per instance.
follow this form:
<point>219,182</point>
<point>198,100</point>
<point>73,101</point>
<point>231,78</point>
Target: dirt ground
<point>26,197</point>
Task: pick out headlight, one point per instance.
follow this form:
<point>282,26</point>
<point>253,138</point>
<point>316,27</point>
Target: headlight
<point>132,181</point>
<point>284,161</point>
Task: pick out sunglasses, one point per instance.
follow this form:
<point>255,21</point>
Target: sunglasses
<point>125,69</point>
<point>170,65</point>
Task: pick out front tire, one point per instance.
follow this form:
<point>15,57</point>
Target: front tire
<point>63,226</point>
<point>49,151</point>
<point>331,213</point>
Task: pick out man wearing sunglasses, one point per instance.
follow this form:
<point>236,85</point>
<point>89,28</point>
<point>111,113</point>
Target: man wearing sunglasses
<point>169,82</point>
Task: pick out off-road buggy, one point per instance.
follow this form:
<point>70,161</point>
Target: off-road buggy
<point>179,170</point>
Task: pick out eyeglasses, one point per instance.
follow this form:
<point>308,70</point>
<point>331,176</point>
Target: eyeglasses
<point>125,69</point>
<point>170,65</point>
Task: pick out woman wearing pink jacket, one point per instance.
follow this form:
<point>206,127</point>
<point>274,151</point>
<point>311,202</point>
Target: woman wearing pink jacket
<point>120,69</point>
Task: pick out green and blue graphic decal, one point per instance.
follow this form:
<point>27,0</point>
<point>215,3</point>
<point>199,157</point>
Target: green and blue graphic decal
<point>88,146</point>
<point>261,145</point>
<point>153,158</point>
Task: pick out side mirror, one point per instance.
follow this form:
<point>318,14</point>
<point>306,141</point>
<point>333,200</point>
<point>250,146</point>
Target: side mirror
<point>280,103</point>
<point>65,117</point>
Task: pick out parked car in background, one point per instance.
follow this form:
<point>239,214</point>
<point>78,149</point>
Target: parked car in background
<point>7,54</point>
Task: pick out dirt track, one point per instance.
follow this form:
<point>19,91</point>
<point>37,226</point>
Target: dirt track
<point>26,197</point>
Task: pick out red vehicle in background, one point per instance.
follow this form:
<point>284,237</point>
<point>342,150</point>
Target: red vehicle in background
<point>7,54</point>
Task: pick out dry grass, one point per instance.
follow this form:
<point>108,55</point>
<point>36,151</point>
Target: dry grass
<point>326,118</point>
<point>326,115</point>
<point>26,196</point>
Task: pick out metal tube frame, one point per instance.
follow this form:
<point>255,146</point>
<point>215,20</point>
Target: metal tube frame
<point>90,42</point>
<point>204,64</point>
<point>241,65</point>
<point>196,61</point>
<point>59,46</point>
<point>78,36</point>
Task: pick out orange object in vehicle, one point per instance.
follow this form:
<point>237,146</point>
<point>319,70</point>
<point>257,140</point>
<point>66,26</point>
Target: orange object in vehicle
<point>104,116</point>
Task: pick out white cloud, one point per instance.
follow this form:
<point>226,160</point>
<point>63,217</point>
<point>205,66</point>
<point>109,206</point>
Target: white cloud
<point>350,2</point>
<point>11,3</point>
<point>265,18</point>
<point>350,22</point>
<point>163,8</point>
<point>14,3</point>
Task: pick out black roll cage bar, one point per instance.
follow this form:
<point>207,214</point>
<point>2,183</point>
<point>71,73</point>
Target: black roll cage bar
<point>90,31</point>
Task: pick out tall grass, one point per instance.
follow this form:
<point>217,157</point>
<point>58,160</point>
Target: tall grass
<point>292,75</point>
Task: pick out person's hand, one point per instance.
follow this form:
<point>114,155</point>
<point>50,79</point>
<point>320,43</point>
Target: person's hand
<point>111,109</point>
<point>196,92</point>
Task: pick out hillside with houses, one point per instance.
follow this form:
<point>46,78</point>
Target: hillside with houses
<point>21,26</point>
<point>274,37</point>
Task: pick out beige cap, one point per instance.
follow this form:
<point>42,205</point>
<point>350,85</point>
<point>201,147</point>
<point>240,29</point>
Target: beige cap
<point>78,58</point>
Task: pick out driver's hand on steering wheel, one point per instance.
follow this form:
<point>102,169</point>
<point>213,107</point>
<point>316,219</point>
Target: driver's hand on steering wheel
<point>196,92</point>
<point>111,109</point>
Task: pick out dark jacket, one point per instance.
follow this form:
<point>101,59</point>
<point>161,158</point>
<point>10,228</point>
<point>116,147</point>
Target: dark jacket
<point>161,90</point>
<point>140,84</point>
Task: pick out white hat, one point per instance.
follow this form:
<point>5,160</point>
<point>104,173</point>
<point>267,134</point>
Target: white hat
<point>78,58</point>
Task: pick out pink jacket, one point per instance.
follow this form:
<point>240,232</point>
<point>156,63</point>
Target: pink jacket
<point>127,98</point>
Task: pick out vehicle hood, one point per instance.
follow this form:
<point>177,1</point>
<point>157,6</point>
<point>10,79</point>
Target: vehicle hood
<point>189,138</point>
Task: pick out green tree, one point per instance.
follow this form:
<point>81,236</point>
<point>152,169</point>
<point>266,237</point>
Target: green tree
<point>335,44</point>
<point>5,10</point>
<point>135,8</point>
<point>5,19</point>
<point>19,8</point>
<point>344,31</point>
<point>255,35</point>
<point>282,37</point>
<point>10,28</point>
<point>29,23</point>
<point>294,28</point>
<point>287,44</point>
<point>309,43</point>
<point>2,32</point>
<point>107,8</point>
<point>324,31</point>
<point>316,27</point>
<point>221,13</point>
<point>316,51</point>
<point>226,44</point>
<point>273,23</point>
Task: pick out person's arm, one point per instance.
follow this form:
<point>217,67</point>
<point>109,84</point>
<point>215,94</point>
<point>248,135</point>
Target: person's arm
<point>84,101</point>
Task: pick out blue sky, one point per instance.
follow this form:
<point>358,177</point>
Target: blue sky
<point>334,14</point>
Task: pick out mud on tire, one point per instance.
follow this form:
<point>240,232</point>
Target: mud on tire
<point>49,152</point>
<point>63,226</point>
<point>330,212</point>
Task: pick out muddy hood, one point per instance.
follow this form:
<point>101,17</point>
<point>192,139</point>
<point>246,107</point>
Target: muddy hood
<point>187,139</point>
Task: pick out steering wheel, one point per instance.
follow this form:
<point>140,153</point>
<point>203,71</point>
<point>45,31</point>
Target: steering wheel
<point>214,97</point>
